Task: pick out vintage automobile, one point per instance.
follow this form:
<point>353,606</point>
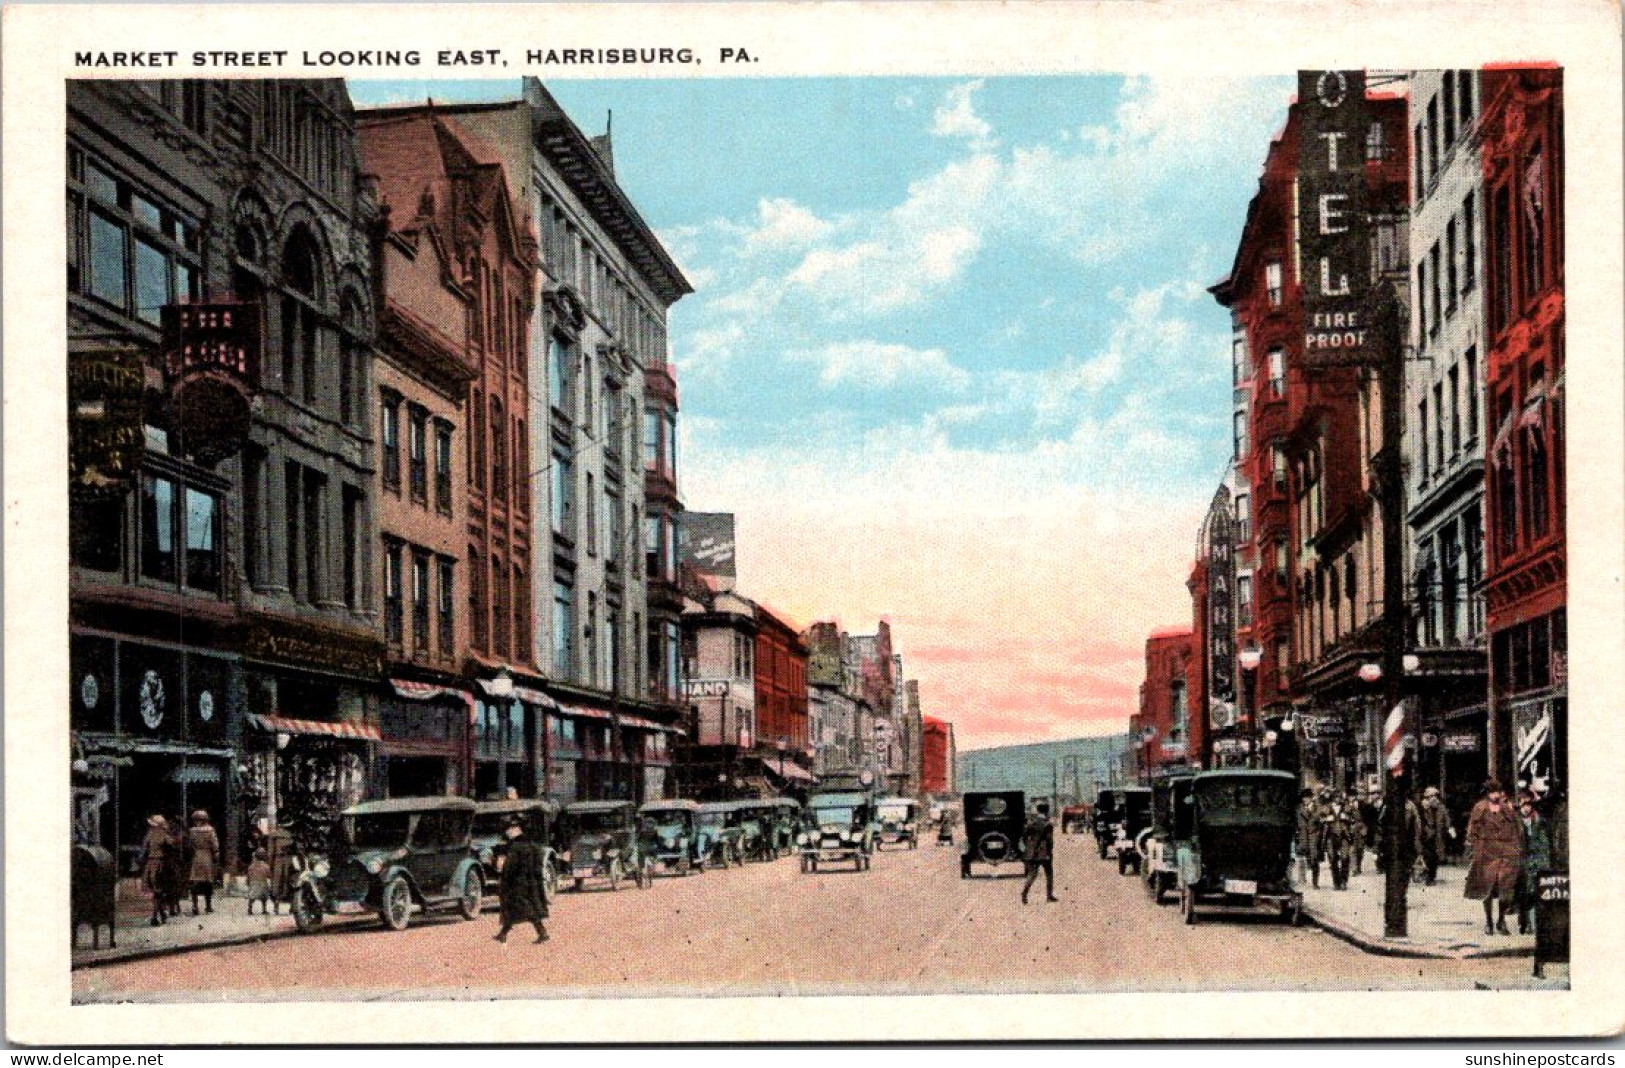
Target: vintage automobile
<point>490,842</point>
<point>1133,824</point>
<point>391,856</point>
<point>1104,821</point>
<point>993,825</point>
<point>839,827</point>
<point>1172,818</point>
<point>1074,819</point>
<point>669,834</point>
<point>717,824</point>
<point>1240,851</point>
<point>787,817</point>
<point>899,822</point>
<point>755,821</point>
<point>603,837</point>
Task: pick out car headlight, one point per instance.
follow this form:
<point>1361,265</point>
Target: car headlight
<point>375,866</point>
<point>320,869</point>
<point>802,839</point>
<point>485,856</point>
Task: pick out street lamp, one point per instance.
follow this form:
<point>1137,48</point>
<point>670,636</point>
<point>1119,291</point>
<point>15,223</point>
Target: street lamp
<point>1249,659</point>
<point>500,684</point>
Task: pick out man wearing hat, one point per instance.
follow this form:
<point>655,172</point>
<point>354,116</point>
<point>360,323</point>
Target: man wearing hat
<point>154,853</point>
<point>523,888</point>
<point>1306,842</point>
<point>1495,844</point>
<point>205,867</point>
<point>1436,832</point>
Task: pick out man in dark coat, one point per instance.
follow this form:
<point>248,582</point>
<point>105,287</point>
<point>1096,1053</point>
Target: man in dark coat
<point>1436,832</point>
<point>1495,846</point>
<point>523,889</point>
<point>1038,853</point>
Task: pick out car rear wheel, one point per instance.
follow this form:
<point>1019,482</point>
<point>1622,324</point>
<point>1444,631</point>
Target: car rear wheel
<point>550,877</point>
<point>307,911</point>
<point>396,908</point>
<point>468,906</point>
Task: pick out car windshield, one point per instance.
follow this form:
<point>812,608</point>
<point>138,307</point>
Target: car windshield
<point>711,819</point>
<point>380,830</point>
<point>833,814</point>
<point>597,822</point>
<point>665,821</point>
<point>894,812</point>
<point>1263,798</point>
<point>490,824</point>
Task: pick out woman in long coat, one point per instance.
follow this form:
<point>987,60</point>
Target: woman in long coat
<point>1537,857</point>
<point>523,888</point>
<point>205,866</point>
<point>155,850</point>
<point>1495,849</point>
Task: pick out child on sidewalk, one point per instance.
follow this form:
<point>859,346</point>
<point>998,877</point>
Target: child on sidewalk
<point>259,885</point>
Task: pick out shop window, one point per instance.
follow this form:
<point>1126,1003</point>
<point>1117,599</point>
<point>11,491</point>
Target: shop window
<point>125,248</point>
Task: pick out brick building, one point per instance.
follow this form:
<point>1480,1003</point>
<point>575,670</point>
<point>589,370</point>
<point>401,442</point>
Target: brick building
<point>1526,574</point>
<point>1162,728</point>
<point>937,757</point>
<point>781,702</point>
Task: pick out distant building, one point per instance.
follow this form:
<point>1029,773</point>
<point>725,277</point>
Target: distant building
<point>937,758</point>
<point>719,670</point>
<point>782,743</point>
<point>1161,730</point>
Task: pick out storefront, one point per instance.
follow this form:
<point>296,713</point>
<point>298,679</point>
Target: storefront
<point>424,740</point>
<point>154,726</point>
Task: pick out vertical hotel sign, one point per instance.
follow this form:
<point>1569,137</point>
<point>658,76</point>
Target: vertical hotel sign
<point>1333,238</point>
<point>1221,582</point>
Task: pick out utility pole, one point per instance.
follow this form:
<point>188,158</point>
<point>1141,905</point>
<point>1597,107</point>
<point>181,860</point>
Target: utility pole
<point>1391,496</point>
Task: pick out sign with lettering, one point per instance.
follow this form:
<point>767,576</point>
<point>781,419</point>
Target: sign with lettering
<point>212,337</point>
<point>1333,235</point>
<point>1221,582</point>
<point>1459,742</point>
<point>706,688</point>
<point>106,390</point>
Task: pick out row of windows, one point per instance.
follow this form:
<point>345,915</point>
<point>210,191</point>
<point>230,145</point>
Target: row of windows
<point>1526,463</point>
<point>1523,253</point>
<point>1448,611</point>
<point>494,436</point>
<point>1449,272</point>
<point>572,259</point>
<point>1451,410</point>
<point>1449,118</point>
<point>418,436</point>
<point>177,534</point>
<point>126,248</point>
<point>425,639</point>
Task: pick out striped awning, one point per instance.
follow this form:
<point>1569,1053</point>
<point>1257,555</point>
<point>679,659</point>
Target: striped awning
<point>582,711</point>
<point>427,691</point>
<point>284,725</point>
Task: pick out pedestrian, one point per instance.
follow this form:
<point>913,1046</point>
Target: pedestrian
<point>1495,849</point>
<point>259,883</point>
<point>1345,838</point>
<point>1306,842</point>
<point>204,867</point>
<point>1537,857</point>
<point>1370,806</point>
<point>1436,832</point>
<point>154,853</point>
<point>1038,852</point>
<point>522,889</point>
<point>175,864</point>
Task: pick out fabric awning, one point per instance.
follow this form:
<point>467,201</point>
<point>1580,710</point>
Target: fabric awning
<point>648,724</point>
<point>284,725</point>
<point>788,770</point>
<point>428,691</point>
<point>534,697</point>
<point>582,711</point>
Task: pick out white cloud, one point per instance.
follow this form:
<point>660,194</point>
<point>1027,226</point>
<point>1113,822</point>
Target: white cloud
<point>956,115</point>
<point>882,365</point>
<point>784,224</point>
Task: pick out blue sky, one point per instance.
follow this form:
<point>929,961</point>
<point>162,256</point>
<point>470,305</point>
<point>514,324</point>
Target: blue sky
<point>950,342</point>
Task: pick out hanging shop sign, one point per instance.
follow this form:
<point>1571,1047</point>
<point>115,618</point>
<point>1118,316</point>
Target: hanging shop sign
<point>1532,745</point>
<point>1459,742</point>
<point>1333,235</point>
<point>1221,582</point>
<point>106,391</point>
<point>211,360</point>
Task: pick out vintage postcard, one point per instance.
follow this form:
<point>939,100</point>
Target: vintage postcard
<point>812,522</point>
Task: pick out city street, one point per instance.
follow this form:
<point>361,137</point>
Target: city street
<point>909,925</point>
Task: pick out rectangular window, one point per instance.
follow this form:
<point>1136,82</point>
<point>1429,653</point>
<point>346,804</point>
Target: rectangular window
<point>651,440</point>
<point>444,605</point>
<point>1438,306</point>
<point>159,553</point>
<point>1239,435</point>
<point>1472,393</point>
<point>501,610</point>
<point>478,610</point>
<point>351,520</point>
<point>1244,517</point>
<point>442,466</point>
<point>1238,359</point>
<point>1273,283</point>
<point>1464,98</point>
<point>1422,304</point>
<point>1500,240</point>
<point>1277,358</point>
<point>560,364</point>
<point>1422,436</point>
<point>651,544</point>
<point>564,489</point>
<point>1438,423</point>
<point>140,255</point>
<point>589,638</point>
<point>476,440</point>
<point>1420,156</point>
<point>202,540</point>
<point>313,514</point>
<point>292,496</point>
<point>1447,108</point>
<point>107,264</point>
<point>1469,246</point>
<point>1534,223</point>
<point>390,413</point>
<point>521,613</point>
<point>1433,136</point>
<point>563,630</point>
<point>394,609</point>
<point>1244,600</point>
<point>592,516</point>
<point>420,602</point>
<point>417,455</point>
<point>613,533</point>
<point>1455,410</point>
<point>1450,279</point>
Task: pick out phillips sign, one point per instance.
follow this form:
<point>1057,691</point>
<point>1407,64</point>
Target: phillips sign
<point>1333,236</point>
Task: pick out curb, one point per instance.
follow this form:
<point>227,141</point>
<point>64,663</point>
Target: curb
<point>1416,950</point>
<point>173,949</point>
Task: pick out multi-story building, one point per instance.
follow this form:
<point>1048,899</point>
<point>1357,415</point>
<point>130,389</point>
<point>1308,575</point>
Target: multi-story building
<point>832,705</point>
<point>1162,727</point>
<point>719,642</point>
<point>1526,572</point>
<point>597,330</point>
<point>1444,440</point>
<point>1308,574</point>
<point>781,701</point>
<point>937,758</point>
<point>912,734</point>
<point>224,639</point>
<point>429,352</point>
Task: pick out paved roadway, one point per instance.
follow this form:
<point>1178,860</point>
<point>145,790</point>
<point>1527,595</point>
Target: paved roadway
<point>909,924</point>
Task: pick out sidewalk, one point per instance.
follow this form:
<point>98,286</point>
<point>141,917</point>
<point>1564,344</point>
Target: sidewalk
<point>228,924</point>
<point>1441,922</point>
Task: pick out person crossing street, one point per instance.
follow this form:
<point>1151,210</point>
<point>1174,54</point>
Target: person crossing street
<point>1038,852</point>
<point>523,887</point>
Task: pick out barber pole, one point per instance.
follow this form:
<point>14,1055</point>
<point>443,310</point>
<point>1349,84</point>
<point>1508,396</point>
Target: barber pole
<point>1393,741</point>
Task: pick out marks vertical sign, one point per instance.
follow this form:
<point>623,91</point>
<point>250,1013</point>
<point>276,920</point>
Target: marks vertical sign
<point>1333,236</point>
<point>1221,582</point>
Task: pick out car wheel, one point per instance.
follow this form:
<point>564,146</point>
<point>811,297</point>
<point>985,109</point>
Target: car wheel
<point>1187,905</point>
<point>307,911</point>
<point>581,884</point>
<point>468,906</point>
<point>550,877</point>
<point>396,908</point>
<point>615,873</point>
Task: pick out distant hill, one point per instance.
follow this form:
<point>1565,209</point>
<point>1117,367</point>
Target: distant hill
<point>1031,767</point>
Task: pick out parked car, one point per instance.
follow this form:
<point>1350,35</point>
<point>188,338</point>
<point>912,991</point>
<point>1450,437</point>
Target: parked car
<point>899,822</point>
<point>1240,852</point>
<point>1173,816</point>
<point>1132,826</point>
<point>993,825</point>
<point>490,841</point>
<point>391,856</point>
<point>838,827</point>
<point>787,817</point>
<point>1074,819</point>
<point>1104,821</point>
<point>669,834</point>
<point>603,837</point>
<point>756,839</point>
<point>717,824</point>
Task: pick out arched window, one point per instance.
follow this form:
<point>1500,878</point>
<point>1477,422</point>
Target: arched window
<point>499,451</point>
<point>300,329</point>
